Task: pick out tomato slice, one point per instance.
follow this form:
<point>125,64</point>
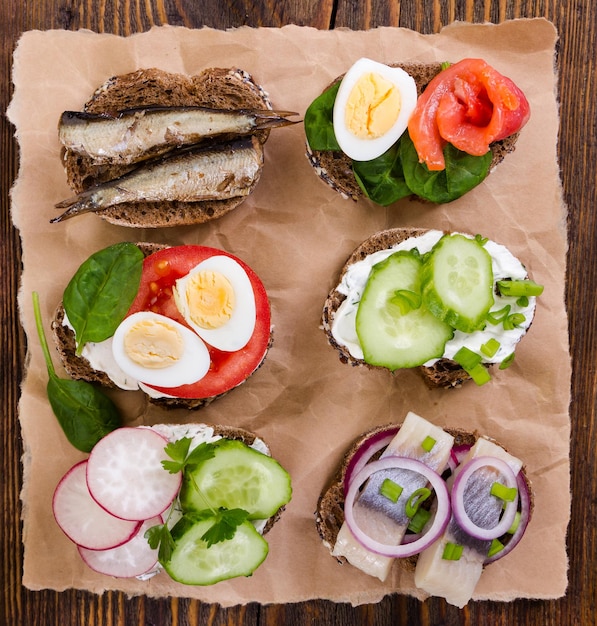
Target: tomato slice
<point>228,369</point>
<point>470,105</point>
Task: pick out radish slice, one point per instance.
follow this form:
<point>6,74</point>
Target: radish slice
<point>440,521</point>
<point>459,489</point>
<point>81,518</point>
<point>126,477</point>
<point>132,558</point>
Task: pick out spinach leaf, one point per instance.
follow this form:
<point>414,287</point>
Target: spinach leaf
<point>319,127</point>
<point>463,172</point>
<point>382,178</point>
<point>84,413</point>
<point>100,293</point>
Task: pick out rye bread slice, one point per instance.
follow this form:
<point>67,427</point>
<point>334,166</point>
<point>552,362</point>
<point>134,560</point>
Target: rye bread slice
<point>329,515</point>
<point>335,168</point>
<point>445,373</point>
<point>224,88</point>
<point>78,367</point>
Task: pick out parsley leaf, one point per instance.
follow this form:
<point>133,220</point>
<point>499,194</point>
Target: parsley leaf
<point>178,451</point>
<point>224,527</point>
<point>160,537</point>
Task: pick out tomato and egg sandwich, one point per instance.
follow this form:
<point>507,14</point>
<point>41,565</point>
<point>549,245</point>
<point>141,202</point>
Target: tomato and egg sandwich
<point>185,324</point>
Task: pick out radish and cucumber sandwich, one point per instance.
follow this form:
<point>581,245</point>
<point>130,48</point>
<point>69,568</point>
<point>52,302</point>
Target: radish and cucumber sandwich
<point>451,305</point>
<point>156,149</point>
<point>185,324</point>
<point>429,131</point>
<point>192,500</point>
<point>445,503</point>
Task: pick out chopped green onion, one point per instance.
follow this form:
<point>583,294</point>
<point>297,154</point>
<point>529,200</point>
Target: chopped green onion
<point>523,301</point>
<point>428,443</point>
<point>406,300</point>
<point>390,490</point>
<point>515,524</point>
<point>516,319</point>
<point>507,361</point>
<point>445,65</point>
<point>495,547</point>
<point>495,317</point>
<point>519,288</point>
<point>471,363</point>
<point>467,359</point>
<point>507,494</point>
<point>480,239</point>
<point>418,521</point>
<point>416,499</point>
<point>479,374</point>
<point>490,347</point>
<point>452,552</point>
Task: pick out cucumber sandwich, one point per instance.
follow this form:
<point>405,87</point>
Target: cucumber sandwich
<point>449,304</point>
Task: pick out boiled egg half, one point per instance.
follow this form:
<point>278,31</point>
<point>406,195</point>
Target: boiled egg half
<point>372,108</point>
<point>216,299</point>
<point>157,350</point>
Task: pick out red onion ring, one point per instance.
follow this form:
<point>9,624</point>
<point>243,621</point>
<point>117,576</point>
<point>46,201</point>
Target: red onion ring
<point>362,456</point>
<point>525,516</point>
<point>457,498</point>
<point>440,521</point>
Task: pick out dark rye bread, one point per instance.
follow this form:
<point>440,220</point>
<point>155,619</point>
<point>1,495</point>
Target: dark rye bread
<point>335,168</point>
<point>214,87</point>
<point>329,515</point>
<point>445,373</point>
<point>78,367</point>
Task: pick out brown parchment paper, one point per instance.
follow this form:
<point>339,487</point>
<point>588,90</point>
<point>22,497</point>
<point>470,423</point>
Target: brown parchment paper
<point>296,233</point>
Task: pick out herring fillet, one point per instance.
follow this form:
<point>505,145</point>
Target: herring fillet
<point>217,172</point>
<point>390,524</point>
<point>134,134</point>
<point>456,580</point>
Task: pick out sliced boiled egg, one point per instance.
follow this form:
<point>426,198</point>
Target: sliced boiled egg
<point>372,108</point>
<point>157,350</point>
<point>216,299</point>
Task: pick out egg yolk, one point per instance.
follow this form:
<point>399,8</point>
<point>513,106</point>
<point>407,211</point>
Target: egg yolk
<point>372,107</point>
<point>153,344</point>
<point>210,299</point>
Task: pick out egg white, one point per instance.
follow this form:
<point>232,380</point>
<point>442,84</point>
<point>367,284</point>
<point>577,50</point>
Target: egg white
<point>367,149</point>
<point>189,368</point>
<point>236,332</point>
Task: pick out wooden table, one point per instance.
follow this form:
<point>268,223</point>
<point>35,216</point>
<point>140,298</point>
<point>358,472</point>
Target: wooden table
<point>577,63</point>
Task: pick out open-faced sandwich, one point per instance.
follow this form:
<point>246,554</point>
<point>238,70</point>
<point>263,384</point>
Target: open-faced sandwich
<point>191,499</point>
<point>443,502</point>
<point>432,131</point>
<point>153,149</point>
<point>185,324</point>
<point>449,304</point>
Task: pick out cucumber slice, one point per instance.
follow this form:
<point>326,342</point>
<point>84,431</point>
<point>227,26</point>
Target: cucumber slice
<point>458,282</point>
<point>193,563</point>
<point>394,329</point>
<point>236,477</point>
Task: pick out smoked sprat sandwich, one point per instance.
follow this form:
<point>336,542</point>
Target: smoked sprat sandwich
<point>451,305</point>
<point>430,131</point>
<point>443,502</point>
<point>155,149</point>
<point>184,324</point>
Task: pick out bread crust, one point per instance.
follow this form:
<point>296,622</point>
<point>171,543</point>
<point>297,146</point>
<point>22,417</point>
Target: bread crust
<point>329,515</point>
<point>78,367</point>
<point>335,168</point>
<point>228,88</point>
<point>445,373</point>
